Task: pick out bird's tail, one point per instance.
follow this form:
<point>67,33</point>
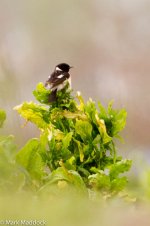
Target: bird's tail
<point>52,96</point>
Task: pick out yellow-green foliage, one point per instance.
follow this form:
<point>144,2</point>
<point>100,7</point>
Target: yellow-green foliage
<point>76,147</point>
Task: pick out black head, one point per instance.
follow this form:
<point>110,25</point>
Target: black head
<point>63,67</point>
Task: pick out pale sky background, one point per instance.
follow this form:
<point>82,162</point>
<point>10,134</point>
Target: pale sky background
<point>107,42</point>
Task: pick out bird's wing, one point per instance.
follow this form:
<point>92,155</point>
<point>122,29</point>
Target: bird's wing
<point>57,78</point>
<point>54,76</point>
<point>60,79</point>
<point>51,78</point>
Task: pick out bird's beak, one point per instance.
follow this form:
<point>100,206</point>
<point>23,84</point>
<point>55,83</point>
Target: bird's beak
<point>71,67</point>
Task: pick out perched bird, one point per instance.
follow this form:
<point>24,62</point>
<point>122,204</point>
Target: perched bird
<point>58,79</point>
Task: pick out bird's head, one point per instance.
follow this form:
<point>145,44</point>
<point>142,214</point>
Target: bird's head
<point>63,67</point>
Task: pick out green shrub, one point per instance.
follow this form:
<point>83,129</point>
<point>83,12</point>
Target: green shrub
<point>76,147</point>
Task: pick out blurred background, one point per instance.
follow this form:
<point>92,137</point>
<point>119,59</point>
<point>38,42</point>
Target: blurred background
<point>107,42</point>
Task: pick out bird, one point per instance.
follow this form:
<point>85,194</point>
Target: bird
<point>58,80</point>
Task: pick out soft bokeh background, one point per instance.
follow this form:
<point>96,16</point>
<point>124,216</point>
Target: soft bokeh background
<point>107,42</point>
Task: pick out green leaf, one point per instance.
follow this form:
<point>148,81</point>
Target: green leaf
<point>30,157</point>
<point>119,167</point>
<point>100,181</point>
<point>74,115</point>
<point>118,119</point>
<point>70,163</point>
<point>66,141</point>
<point>120,122</point>
<point>103,111</point>
<point>34,113</point>
<point>109,107</point>
<point>118,184</point>
<point>80,149</point>
<point>70,176</point>
<point>8,147</point>
<point>102,129</point>
<point>115,120</point>
<point>41,93</point>
<point>81,102</point>
<point>91,110</point>
<point>2,117</point>
<point>12,179</point>
<point>84,129</point>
